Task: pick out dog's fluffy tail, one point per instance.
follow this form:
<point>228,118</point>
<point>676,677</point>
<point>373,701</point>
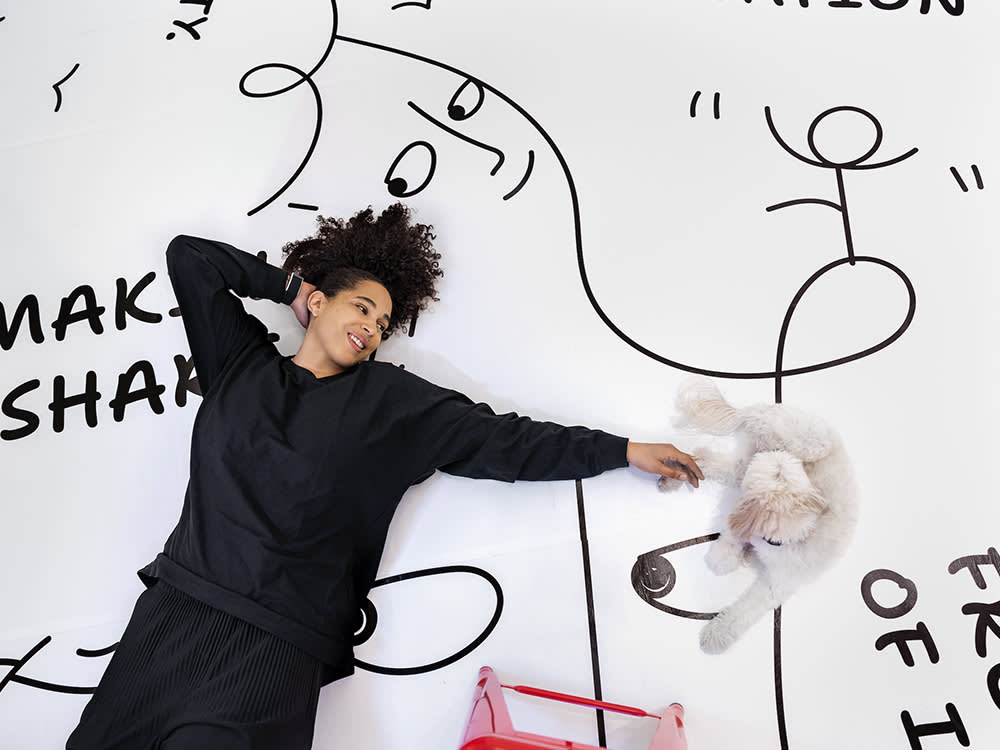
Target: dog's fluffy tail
<point>705,409</point>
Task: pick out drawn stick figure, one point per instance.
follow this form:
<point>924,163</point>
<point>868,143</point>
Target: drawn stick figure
<point>858,163</point>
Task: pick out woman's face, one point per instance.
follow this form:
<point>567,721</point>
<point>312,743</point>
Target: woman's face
<point>349,325</point>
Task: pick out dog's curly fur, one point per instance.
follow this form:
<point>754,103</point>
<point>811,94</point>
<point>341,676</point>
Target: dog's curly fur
<point>797,511</point>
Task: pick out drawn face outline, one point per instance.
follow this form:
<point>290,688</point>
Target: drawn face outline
<point>398,185</point>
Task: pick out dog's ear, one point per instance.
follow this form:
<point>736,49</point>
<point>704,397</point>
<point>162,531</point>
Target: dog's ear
<point>780,519</point>
<point>750,518</point>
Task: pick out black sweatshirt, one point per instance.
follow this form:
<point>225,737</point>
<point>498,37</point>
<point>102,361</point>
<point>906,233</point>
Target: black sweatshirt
<point>294,479</point>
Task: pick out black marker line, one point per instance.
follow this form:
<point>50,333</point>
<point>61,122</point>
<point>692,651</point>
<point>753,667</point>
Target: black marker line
<point>779,694</point>
<point>491,149</point>
<point>17,664</point>
<point>458,655</point>
<point>527,174</point>
<point>648,595</point>
<point>303,78</point>
<point>319,122</point>
<point>781,141</point>
<point>961,182</point>
<point>457,111</point>
<point>800,201</point>
<point>911,309</point>
<point>979,177</point>
<point>304,206</point>
<point>886,163</point>
<point>425,5</point>
<point>591,618</point>
<point>97,652</point>
<point>574,199</point>
<point>411,328</point>
<point>693,109</point>
<point>59,83</point>
<point>715,104</point>
<point>398,186</point>
<point>843,210</point>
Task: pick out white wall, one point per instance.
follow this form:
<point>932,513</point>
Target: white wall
<point>152,137</point>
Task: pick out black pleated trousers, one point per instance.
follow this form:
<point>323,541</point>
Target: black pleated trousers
<point>186,676</point>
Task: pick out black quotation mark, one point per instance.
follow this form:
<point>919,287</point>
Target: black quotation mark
<point>715,104</point>
<point>961,183</point>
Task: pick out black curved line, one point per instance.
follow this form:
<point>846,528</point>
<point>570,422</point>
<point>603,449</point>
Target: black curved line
<point>425,6</point>
<point>316,132</point>
<point>715,104</point>
<point>646,596</point>
<point>527,174</point>
<point>52,687</point>
<point>911,309</point>
<point>399,158</point>
<point>800,201</point>
<point>18,663</point>
<point>781,141</point>
<point>59,83</point>
<point>498,152</point>
<point>811,136</point>
<point>693,109</point>
<point>303,78</point>
<point>458,655</point>
<point>578,232</point>
<point>98,652</point>
<point>978,176</point>
<point>886,163</point>
<point>479,101</point>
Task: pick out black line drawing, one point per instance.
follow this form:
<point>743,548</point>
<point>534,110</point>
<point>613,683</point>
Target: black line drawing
<point>693,109</point>
<point>189,28</point>
<point>303,77</point>
<point>425,5</point>
<point>304,206</point>
<point>858,163</point>
<point>60,82</point>
<point>527,174</point>
<point>591,615</point>
<point>452,131</point>
<point>654,577</point>
<point>458,111</point>
<point>961,182</point>
<point>16,665</point>
<point>369,617</point>
<point>399,186</point>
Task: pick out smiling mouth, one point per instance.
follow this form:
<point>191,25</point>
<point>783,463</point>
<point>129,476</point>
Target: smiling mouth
<point>356,342</point>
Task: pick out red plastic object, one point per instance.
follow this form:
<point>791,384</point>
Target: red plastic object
<point>489,726</point>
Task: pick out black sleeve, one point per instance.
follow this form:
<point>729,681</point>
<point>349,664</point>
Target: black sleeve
<point>217,326</point>
<point>460,437</point>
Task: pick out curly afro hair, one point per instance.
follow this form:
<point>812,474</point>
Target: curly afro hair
<point>389,249</point>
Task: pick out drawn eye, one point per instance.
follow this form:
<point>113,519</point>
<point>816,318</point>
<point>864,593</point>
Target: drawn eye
<point>463,107</point>
<point>654,577</point>
<point>419,158</point>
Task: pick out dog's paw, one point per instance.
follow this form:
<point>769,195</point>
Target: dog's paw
<point>724,556</point>
<point>717,635</point>
<point>666,484</point>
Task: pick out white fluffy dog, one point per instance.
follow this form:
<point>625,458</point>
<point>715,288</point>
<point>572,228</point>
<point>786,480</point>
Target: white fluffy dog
<point>797,511</point>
